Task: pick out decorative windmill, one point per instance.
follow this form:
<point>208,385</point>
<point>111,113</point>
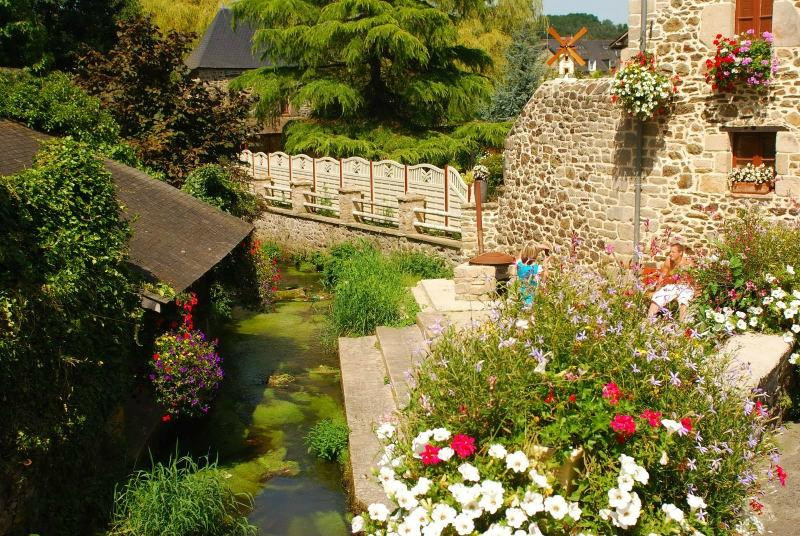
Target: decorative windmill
<point>566,51</point>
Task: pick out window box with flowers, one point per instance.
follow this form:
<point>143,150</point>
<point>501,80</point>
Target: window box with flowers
<point>743,60</point>
<point>752,179</point>
<point>643,90</point>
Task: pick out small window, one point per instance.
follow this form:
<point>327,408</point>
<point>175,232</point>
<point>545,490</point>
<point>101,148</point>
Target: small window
<point>592,66</point>
<point>754,15</point>
<point>753,148</point>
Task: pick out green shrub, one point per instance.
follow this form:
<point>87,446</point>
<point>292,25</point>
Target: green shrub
<point>328,439</point>
<point>370,292</point>
<point>422,265</point>
<point>339,255</point>
<point>224,187</point>
<point>181,498</point>
<point>221,302</point>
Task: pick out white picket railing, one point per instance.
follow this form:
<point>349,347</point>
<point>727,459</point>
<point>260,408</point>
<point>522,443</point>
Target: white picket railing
<point>381,182</point>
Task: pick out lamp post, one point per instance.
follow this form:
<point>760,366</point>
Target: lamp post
<point>637,200</point>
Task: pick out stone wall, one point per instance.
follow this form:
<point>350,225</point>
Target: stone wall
<point>570,155</point>
<point>316,233</point>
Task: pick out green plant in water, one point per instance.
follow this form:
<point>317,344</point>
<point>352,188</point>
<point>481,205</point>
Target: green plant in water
<point>328,439</point>
<point>181,498</point>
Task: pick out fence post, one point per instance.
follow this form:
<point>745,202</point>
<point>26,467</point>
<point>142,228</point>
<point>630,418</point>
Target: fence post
<point>446,194</point>
<point>371,188</point>
<point>405,178</point>
<point>290,169</point>
<point>341,175</point>
<point>300,190</point>
<point>479,214</point>
<point>405,213</point>
<point>347,200</point>
<point>269,173</point>
<point>314,174</point>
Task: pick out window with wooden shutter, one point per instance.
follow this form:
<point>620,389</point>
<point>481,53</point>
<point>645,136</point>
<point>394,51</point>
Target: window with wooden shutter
<point>755,15</point>
<point>753,148</point>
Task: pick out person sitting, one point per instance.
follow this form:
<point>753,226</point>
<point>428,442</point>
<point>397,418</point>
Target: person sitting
<point>530,270</point>
<point>674,283</point>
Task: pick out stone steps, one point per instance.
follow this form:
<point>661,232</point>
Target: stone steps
<point>402,349</point>
<point>367,400</point>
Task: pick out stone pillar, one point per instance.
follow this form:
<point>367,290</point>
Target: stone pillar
<point>469,231</point>
<point>474,283</point>
<point>347,196</point>
<point>299,190</point>
<point>406,215</point>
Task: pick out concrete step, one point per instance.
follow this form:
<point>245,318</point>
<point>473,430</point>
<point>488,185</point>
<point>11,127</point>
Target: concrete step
<point>433,324</point>
<point>760,360</point>
<point>402,349</point>
<point>442,295</point>
<point>367,400</point>
<point>421,297</point>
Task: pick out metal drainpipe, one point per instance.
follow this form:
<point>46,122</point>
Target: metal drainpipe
<point>637,203</point>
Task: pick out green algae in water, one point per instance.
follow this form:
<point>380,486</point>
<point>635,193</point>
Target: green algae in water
<point>322,523</point>
<point>277,413</point>
<point>249,476</point>
<point>323,406</point>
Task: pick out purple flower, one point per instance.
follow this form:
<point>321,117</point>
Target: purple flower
<point>581,336</point>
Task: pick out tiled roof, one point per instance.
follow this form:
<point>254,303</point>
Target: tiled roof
<point>222,47</point>
<point>598,50</point>
<point>176,237</point>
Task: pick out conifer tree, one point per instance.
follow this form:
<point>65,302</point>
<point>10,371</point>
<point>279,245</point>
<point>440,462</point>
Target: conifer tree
<point>397,62</point>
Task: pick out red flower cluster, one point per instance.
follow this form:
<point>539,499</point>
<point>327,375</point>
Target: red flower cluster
<point>611,393</point>
<point>781,474</point>
<point>624,426</point>
<point>653,418</point>
<point>686,422</point>
<point>430,456</point>
<point>464,445</point>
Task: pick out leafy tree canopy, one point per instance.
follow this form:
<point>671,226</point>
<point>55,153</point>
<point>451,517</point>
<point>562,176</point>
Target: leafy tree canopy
<point>185,16</point>
<point>396,61</point>
<point>225,187</point>
<point>175,123</point>
<point>48,33</point>
<point>570,24</point>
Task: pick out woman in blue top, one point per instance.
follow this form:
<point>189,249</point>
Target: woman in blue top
<point>530,270</point>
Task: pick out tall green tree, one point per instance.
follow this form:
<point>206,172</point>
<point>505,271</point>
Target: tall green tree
<point>395,61</point>
<point>525,71</point>
<point>49,33</point>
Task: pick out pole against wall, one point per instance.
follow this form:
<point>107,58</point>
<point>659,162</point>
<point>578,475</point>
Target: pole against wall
<point>637,200</point>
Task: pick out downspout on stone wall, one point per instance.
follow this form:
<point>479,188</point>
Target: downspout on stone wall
<point>637,203</point>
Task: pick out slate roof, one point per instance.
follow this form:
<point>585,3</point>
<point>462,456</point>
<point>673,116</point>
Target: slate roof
<point>222,47</point>
<point>176,238</point>
<point>598,50</point>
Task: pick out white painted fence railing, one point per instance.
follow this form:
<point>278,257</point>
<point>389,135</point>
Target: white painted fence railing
<point>381,184</point>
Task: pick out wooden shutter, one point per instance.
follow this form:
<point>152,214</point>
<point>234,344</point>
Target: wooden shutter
<point>754,14</point>
<point>753,147</point>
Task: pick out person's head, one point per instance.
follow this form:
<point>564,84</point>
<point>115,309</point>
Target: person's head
<point>533,252</point>
<point>676,252</point>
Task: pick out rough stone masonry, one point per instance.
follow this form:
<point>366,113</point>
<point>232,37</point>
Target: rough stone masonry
<point>570,156</point>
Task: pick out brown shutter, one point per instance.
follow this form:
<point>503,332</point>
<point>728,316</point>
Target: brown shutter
<point>746,15</point>
<point>765,16</point>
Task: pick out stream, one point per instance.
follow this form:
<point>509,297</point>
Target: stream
<point>256,429</point>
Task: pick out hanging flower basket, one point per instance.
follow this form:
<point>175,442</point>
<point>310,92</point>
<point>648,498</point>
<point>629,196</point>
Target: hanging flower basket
<point>642,90</point>
<point>751,179</point>
<point>744,60</point>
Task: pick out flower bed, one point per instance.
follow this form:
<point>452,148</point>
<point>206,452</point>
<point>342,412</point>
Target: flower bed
<point>744,59</point>
<point>666,444</point>
<point>186,369</point>
<point>641,89</point>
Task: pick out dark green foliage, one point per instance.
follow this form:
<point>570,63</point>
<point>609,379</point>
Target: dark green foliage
<point>48,33</point>
<point>570,24</point>
<point>328,439</point>
<point>225,187</point>
<point>421,265</point>
<point>182,498</point>
<point>220,302</point>
<point>525,71</point>
<point>339,255</point>
<point>395,61</point>
<point>174,122</point>
<point>457,147</point>
<point>67,315</point>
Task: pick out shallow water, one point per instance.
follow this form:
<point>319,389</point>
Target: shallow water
<point>257,431</point>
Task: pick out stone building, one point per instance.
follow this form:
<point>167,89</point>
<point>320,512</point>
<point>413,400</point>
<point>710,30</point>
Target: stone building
<point>570,157</point>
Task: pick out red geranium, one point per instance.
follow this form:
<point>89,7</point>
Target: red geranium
<point>624,426</point>
<point>781,474</point>
<point>430,456</point>
<point>653,417</point>
<point>611,393</point>
<point>464,445</point>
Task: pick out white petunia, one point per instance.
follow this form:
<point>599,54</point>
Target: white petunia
<point>385,431</point>
<point>472,509</point>
<point>628,516</point>
<point>719,318</point>
<point>522,323</point>
<point>618,498</point>
<point>533,530</point>
<point>673,512</point>
<point>441,434</point>
<point>406,500</point>
<point>445,453</point>
<point>539,479</point>
<point>795,328</point>
<point>357,525</point>
<point>790,269</point>
<point>790,313</point>
<point>741,324</point>
<point>574,511</point>
<point>463,524</point>
<point>793,358</point>
<point>378,512</point>
<point>517,462</point>
<point>497,451</point>
<point>419,442</point>
<point>556,506</point>
<point>469,472</point>
<point>641,475</point>
<point>385,475</point>
<point>491,502</point>
<point>408,529</point>
<point>443,513</point>
<point>788,337</point>
<point>515,517</point>
<point>671,426</point>
<point>625,482</point>
<point>532,503</point>
<point>664,459</point>
<point>422,486</point>
<point>695,502</point>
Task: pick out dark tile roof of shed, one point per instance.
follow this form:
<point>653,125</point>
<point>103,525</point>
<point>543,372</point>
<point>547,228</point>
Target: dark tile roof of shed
<point>590,49</point>
<point>176,237</point>
<point>222,47</point>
